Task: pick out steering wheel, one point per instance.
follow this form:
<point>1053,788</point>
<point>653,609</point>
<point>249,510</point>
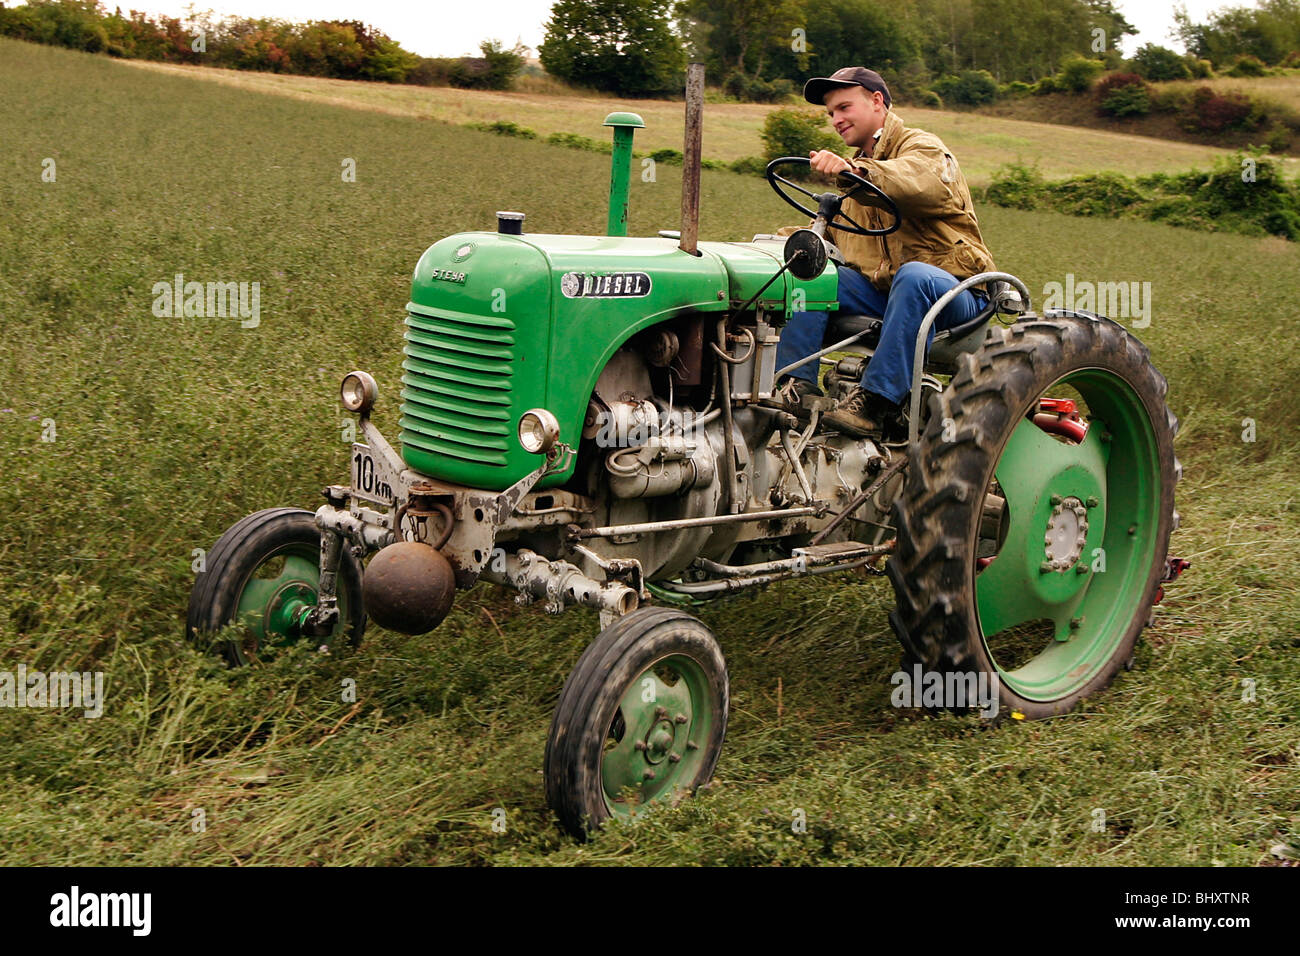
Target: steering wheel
<point>828,204</point>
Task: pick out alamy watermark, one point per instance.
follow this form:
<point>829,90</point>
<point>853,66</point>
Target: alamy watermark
<point>199,300</point>
<point>82,691</point>
<point>954,689</point>
<point>1115,300</point>
<point>75,908</point>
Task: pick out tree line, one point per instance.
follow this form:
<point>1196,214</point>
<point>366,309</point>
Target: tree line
<point>765,49</point>
<point>754,49</point>
<point>342,49</point>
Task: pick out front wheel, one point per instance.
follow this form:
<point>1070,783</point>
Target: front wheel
<point>1028,552</point>
<point>263,575</point>
<point>640,721</point>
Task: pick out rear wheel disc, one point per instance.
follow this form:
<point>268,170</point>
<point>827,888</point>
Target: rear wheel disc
<point>1032,551</point>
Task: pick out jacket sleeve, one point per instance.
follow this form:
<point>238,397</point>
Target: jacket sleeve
<point>916,179</point>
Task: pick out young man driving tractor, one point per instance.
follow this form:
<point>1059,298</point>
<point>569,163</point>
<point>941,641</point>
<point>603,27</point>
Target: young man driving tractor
<point>896,277</point>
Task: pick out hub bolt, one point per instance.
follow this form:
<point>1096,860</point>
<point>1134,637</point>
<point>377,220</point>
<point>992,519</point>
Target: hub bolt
<point>661,711</point>
<point>1056,499</point>
<point>1076,623</point>
<point>679,719</point>
<point>648,775</point>
<point>1092,501</point>
<point>673,758</point>
<point>692,745</point>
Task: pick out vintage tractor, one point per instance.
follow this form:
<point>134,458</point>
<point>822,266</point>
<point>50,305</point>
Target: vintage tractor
<point>592,420</point>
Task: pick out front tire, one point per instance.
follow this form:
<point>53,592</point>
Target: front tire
<point>260,574</point>
<point>640,720</point>
<point>1027,555</point>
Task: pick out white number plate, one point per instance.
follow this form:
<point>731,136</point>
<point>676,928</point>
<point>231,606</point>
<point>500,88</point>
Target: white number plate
<point>371,478</point>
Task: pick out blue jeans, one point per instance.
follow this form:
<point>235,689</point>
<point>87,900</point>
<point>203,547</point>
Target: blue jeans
<point>916,287</point>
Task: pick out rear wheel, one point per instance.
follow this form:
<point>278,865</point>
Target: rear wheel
<point>263,574</point>
<point>1032,549</point>
<point>640,721</point>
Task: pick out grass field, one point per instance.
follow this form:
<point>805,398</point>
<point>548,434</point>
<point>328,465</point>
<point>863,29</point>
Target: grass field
<point>168,430</point>
<point>982,143</point>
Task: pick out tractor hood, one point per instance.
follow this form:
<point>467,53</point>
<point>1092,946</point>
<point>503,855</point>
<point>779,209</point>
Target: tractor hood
<point>498,324</point>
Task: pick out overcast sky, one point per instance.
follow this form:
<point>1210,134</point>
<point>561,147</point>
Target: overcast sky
<point>455,27</point>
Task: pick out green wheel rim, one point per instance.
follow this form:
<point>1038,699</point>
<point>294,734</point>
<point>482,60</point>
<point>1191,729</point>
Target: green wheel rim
<point>275,600</point>
<point>1084,522</point>
<point>657,740</point>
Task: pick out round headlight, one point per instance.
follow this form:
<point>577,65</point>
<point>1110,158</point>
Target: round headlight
<point>539,430</point>
<point>358,392</point>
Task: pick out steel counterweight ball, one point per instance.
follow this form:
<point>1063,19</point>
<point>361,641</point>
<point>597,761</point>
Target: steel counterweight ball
<point>408,587</point>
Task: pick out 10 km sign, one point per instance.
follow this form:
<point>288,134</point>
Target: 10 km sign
<point>370,477</point>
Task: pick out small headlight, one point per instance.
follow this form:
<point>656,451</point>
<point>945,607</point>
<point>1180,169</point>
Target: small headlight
<point>539,430</point>
<point>358,392</point>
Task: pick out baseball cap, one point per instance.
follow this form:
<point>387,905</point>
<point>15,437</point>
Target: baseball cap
<point>815,90</point>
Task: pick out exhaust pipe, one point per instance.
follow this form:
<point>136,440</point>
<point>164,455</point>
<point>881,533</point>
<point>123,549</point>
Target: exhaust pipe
<point>691,159</point>
<point>620,169</point>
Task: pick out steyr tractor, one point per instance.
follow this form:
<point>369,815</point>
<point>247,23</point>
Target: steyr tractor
<point>594,420</point>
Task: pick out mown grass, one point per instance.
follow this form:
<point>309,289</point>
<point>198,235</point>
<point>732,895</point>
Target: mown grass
<point>982,143</point>
<point>169,430</point>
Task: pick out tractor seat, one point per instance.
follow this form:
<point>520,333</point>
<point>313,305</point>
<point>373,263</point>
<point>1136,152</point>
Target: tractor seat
<point>948,344</point>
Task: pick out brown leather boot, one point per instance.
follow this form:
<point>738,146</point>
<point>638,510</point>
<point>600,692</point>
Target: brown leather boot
<point>858,414</point>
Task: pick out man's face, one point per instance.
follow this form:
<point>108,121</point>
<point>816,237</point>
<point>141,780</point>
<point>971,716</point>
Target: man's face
<point>855,114</point>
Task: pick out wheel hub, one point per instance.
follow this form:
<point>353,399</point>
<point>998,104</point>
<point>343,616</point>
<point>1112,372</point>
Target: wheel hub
<point>659,742</point>
<point>1067,532</point>
<point>286,609</point>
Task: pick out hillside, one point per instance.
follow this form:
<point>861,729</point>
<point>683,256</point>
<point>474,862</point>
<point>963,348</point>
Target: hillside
<point>129,441</point>
<point>982,143</point>
<point>1075,110</point>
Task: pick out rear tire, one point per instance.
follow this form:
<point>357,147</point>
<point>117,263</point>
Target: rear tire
<point>1075,567</point>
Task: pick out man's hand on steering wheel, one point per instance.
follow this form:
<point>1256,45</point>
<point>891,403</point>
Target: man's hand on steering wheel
<point>829,211</point>
<point>824,161</point>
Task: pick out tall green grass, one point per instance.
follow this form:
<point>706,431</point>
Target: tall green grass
<point>169,430</point>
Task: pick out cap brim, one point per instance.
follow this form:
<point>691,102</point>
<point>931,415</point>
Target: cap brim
<point>815,90</point>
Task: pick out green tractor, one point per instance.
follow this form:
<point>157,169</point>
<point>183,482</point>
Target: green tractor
<point>592,420</point>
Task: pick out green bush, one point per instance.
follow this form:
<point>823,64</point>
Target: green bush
<point>1016,186</point>
<point>574,141</point>
<point>1200,69</point>
<point>1158,63</point>
<point>1278,139</point>
<point>796,132</point>
<point>1077,73</point>
<point>1046,85</point>
<point>1248,65</point>
<point>932,100</point>
<point>1122,94</point>
<point>1126,101</point>
<point>669,157</point>
<point>505,128</point>
<point>749,166</point>
<point>1096,194</point>
<point>969,88</point>
<point>1015,88</point>
<point>1245,193</point>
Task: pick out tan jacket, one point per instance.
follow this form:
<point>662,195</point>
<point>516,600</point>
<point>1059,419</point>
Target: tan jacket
<point>914,169</point>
